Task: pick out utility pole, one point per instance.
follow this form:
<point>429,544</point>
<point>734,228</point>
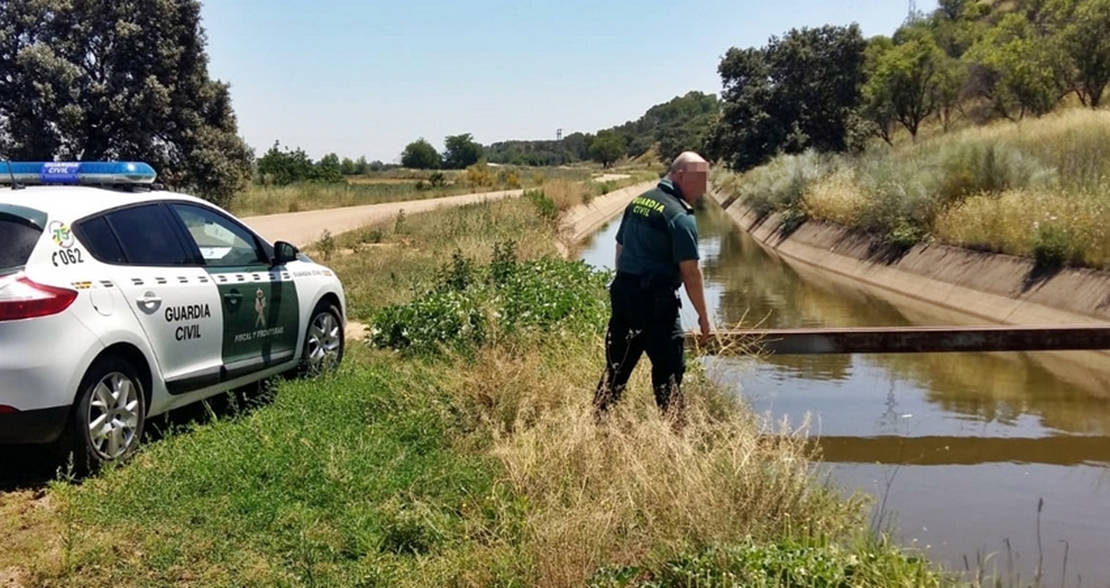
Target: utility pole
<point>913,11</point>
<point>559,145</point>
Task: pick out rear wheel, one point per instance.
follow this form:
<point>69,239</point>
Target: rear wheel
<point>324,340</point>
<point>108,420</point>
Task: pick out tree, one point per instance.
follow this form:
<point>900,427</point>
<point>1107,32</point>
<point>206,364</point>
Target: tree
<point>877,108</point>
<point>1031,73</point>
<point>1087,42</point>
<point>347,167</point>
<point>362,167</point>
<point>952,76</point>
<point>329,170</point>
<point>420,155</point>
<point>461,151</point>
<point>907,78</point>
<point>82,80</point>
<point>798,92</point>
<point>607,148</point>
<point>283,167</point>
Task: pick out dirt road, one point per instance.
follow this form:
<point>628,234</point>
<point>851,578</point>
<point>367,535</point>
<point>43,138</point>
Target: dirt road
<point>306,227</point>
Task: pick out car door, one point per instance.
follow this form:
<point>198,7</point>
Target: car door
<point>259,303</point>
<point>169,292</point>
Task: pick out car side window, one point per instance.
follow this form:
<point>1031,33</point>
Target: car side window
<point>147,237</point>
<point>99,240</point>
<point>222,243</point>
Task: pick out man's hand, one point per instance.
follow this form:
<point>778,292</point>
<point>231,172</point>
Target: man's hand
<point>695,289</point>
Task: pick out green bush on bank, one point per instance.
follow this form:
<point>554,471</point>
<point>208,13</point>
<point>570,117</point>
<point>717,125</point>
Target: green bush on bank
<point>998,188</point>
<point>467,305</point>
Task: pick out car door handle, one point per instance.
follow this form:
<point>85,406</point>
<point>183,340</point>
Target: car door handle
<point>149,302</point>
<point>148,299</point>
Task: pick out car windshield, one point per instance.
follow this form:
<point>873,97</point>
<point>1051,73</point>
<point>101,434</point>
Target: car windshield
<point>19,231</point>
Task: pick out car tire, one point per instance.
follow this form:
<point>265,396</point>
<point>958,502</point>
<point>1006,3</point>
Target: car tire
<point>108,418</point>
<point>324,340</point>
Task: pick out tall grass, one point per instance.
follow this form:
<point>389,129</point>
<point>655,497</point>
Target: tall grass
<point>995,187</point>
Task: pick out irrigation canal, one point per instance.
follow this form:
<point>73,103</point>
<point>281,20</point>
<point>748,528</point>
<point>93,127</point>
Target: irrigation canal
<point>958,449</point>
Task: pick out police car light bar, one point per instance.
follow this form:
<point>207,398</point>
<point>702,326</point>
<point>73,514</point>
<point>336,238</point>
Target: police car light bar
<point>84,173</point>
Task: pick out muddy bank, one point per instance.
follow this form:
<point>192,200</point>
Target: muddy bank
<point>947,284</point>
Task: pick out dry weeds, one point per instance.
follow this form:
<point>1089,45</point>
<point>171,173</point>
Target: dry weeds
<point>636,489</point>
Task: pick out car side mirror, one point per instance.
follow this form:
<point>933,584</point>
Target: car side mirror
<point>284,253</point>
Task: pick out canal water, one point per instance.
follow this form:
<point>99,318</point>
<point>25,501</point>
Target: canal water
<point>959,450</point>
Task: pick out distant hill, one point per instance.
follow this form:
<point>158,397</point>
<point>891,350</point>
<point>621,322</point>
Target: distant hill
<point>672,127</point>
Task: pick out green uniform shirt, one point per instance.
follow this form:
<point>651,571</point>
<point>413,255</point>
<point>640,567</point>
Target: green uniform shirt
<point>657,232</point>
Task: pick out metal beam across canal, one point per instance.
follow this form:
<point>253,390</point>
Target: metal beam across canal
<point>911,339</point>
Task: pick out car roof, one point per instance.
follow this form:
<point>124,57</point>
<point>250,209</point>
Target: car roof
<point>73,202</point>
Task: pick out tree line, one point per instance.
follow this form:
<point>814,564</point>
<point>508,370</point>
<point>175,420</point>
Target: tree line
<point>87,81</point>
<point>829,89</point>
<point>672,127</point>
<point>283,166</point>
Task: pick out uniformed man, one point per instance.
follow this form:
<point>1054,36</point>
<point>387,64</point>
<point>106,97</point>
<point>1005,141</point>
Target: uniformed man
<point>657,251</point>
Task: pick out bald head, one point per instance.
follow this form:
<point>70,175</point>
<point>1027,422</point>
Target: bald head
<point>685,159</point>
<point>690,172</point>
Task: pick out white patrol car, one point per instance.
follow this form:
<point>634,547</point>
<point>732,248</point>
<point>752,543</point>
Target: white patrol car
<point>119,302</point>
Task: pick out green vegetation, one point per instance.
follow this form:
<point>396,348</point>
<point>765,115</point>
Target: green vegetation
<point>396,185</point>
<point>460,152</point>
<point>797,93</point>
<point>283,167</point>
<point>969,62</point>
<point>460,461</point>
<point>73,70</point>
<point>420,154</point>
<point>981,144</point>
<point>664,131</point>
<point>1037,189</point>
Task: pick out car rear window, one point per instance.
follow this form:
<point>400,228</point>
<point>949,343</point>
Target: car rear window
<point>18,236</point>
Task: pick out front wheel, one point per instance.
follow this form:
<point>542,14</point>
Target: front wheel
<point>324,340</point>
<point>107,423</point>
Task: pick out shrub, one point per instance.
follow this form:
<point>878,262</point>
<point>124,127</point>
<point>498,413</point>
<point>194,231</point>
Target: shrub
<point>478,175</point>
<point>1050,246</point>
<point>545,206</point>
<point>467,303</point>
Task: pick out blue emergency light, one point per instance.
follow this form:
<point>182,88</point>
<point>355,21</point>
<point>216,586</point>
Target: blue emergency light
<point>81,173</point>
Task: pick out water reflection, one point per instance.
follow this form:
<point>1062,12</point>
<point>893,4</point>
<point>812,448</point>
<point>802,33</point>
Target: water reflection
<point>960,445</point>
<point>1002,387</point>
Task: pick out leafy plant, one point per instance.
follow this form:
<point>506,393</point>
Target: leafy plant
<point>1050,246</point>
<point>327,244</point>
<point>545,206</point>
<point>467,303</point>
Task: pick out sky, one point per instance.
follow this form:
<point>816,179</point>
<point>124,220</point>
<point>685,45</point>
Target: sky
<point>365,78</point>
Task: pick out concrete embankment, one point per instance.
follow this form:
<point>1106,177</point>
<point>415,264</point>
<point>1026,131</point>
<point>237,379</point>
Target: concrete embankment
<point>947,284</point>
<point>585,219</point>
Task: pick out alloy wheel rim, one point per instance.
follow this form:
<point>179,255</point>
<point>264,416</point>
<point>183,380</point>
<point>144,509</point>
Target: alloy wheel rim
<point>113,416</point>
<point>324,341</point>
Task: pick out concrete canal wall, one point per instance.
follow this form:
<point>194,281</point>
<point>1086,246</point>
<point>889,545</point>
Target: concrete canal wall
<point>961,286</point>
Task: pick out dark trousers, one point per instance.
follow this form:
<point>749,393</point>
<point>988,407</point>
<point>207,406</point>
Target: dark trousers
<point>644,318</point>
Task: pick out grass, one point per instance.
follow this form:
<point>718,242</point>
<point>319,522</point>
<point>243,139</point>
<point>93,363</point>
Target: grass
<point>473,462</point>
<point>395,186</point>
<point>1037,188</point>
